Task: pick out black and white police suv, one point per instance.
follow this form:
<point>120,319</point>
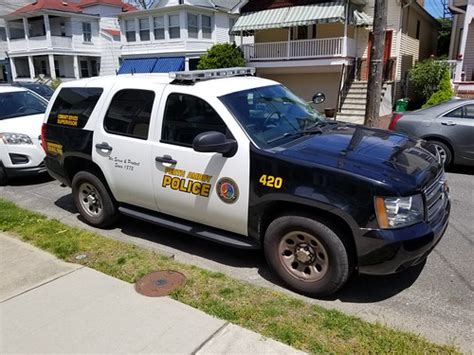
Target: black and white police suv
<point>242,161</point>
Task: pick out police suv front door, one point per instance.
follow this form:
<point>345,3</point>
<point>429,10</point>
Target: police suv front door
<point>121,146</point>
<point>207,188</point>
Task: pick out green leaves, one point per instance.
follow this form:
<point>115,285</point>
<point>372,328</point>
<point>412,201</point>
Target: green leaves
<point>426,76</point>
<point>222,55</point>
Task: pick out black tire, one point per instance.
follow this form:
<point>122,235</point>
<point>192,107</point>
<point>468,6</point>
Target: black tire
<point>332,275</point>
<point>3,176</point>
<point>443,149</point>
<point>102,211</point>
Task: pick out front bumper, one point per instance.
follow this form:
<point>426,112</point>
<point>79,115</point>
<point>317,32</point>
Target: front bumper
<point>28,171</point>
<point>383,252</point>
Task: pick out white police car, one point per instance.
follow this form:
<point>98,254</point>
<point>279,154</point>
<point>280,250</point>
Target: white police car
<point>243,161</point>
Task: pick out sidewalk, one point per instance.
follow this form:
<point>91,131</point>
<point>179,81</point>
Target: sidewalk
<point>49,306</point>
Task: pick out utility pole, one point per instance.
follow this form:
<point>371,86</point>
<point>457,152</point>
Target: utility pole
<point>374,86</point>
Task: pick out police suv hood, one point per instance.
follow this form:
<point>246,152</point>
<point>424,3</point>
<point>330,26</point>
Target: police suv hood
<point>29,125</point>
<point>381,156</point>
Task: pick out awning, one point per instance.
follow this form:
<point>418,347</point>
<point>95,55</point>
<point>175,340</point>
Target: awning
<point>152,65</point>
<point>306,15</point>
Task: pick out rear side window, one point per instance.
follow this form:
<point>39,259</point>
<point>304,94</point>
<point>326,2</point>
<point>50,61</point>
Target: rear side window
<point>466,111</point>
<point>129,113</point>
<point>74,106</point>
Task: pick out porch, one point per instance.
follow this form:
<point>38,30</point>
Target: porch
<point>64,67</point>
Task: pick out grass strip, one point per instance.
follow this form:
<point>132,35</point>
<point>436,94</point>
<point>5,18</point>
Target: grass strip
<point>273,314</point>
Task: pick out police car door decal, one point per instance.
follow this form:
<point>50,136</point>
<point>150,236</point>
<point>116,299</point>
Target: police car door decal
<point>203,187</point>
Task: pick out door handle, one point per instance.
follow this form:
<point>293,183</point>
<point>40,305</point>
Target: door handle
<point>448,123</point>
<point>166,159</point>
<point>104,146</point>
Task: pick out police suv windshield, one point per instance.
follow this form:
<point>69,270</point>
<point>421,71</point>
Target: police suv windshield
<point>273,115</point>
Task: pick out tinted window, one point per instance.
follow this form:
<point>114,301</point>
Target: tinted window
<point>186,116</point>
<point>20,103</point>
<point>129,113</point>
<point>463,112</point>
<point>73,106</point>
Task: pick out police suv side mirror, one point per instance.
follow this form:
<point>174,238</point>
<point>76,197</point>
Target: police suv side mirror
<point>319,98</point>
<point>214,142</point>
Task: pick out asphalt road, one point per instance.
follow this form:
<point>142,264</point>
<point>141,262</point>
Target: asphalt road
<point>436,300</point>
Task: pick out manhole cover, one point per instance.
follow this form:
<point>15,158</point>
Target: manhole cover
<point>159,283</point>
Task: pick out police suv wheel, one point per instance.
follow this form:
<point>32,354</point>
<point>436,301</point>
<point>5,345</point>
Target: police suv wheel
<point>93,200</point>
<point>307,255</point>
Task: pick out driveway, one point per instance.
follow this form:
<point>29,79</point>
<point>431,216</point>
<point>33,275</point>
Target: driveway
<point>436,301</point>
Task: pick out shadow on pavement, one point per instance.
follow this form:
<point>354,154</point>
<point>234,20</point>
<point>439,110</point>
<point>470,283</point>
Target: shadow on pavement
<point>359,289</point>
<point>30,180</point>
<point>461,169</point>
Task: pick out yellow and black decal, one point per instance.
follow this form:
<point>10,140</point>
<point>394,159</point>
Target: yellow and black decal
<point>67,120</point>
<point>192,183</point>
<point>54,148</point>
<point>271,181</point>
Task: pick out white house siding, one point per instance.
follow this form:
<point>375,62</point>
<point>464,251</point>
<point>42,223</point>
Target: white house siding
<point>78,38</point>
<point>102,10</point>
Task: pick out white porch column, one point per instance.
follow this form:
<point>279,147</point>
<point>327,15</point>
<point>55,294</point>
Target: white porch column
<point>346,20</point>
<point>47,29</point>
<point>52,69</point>
<point>32,67</point>
<point>462,45</point>
<point>288,53</point>
<point>186,64</point>
<point>76,67</point>
<point>27,32</point>
<point>13,69</point>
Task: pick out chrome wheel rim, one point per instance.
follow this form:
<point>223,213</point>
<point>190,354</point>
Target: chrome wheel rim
<point>303,256</point>
<point>90,199</point>
<point>442,152</point>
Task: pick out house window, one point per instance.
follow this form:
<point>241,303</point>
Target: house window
<point>174,27</point>
<point>144,24</point>
<point>193,26</point>
<point>130,31</point>
<point>84,69</point>
<point>43,68</point>
<point>16,29</point>
<point>418,25</point>
<point>159,27</point>
<point>87,31</point>
<point>206,26</point>
<point>94,68</point>
<point>56,69</point>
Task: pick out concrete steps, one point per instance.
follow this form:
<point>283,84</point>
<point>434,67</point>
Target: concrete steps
<point>353,108</point>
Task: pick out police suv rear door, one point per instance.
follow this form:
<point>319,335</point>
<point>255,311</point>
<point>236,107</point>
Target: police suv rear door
<point>121,145</point>
<point>207,188</point>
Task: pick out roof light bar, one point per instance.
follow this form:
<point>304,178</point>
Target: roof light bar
<point>196,75</point>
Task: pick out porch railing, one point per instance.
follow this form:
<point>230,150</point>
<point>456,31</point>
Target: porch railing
<point>298,49</point>
<point>61,42</point>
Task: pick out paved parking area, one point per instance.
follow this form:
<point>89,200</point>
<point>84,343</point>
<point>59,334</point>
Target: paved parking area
<point>436,301</point>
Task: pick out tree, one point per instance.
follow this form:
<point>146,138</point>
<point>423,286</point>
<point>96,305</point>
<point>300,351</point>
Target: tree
<point>374,85</point>
<point>141,4</point>
<point>222,55</point>
<point>444,93</point>
<point>426,76</point>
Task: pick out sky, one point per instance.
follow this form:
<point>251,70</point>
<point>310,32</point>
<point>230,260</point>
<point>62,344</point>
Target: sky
<point>434,7</point>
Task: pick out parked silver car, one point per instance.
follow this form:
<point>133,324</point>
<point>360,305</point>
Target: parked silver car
<point>449,126</point>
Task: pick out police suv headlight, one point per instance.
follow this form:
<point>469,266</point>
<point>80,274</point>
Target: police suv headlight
<point>15,138</point>
<point>396,212</point>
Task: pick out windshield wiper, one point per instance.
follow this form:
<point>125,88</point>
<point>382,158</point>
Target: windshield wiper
<point>313,130</point>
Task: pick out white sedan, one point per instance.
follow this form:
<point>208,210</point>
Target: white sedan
<point>21,118</point>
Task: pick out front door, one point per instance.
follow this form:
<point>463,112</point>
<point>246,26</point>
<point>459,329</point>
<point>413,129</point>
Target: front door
<point>458,127</point>
<point>121,146</point>
<point>386,54</point>
<point>206,188</point>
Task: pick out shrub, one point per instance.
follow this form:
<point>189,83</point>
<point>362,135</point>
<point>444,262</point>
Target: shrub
<point>222,55</point>
<point>444,93</point>
<point>426,76</point>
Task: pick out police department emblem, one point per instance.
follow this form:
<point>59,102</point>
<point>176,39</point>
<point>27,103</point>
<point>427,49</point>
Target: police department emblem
<point>227,190</point>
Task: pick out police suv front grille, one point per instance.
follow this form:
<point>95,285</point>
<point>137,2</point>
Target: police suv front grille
<point>435,197</point>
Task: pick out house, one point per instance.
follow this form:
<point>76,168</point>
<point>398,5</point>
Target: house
<point>66,39</point>
<point>173,34</point>
<point>7,7</point>
<point>461,49</point>
<point>312,46</point>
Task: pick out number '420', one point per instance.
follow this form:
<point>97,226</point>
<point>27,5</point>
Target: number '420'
<point>271,181</point>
